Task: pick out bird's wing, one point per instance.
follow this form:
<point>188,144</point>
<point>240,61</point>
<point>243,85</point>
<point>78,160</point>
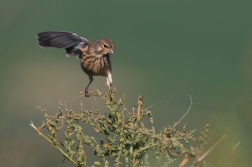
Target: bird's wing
<point>60,39</point>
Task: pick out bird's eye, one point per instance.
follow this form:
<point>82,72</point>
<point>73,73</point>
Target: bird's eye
<point>105,46</point>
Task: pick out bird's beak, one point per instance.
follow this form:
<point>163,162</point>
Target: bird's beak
<point>111,51</point>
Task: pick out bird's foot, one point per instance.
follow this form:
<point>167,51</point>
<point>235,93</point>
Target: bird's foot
<point>112,94</point>
<point>110,88</point>
<point>86,93</point>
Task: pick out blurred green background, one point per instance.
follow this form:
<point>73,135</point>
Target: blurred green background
<point>164,51</point>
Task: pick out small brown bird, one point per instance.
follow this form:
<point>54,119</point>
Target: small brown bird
<point>94,56</point>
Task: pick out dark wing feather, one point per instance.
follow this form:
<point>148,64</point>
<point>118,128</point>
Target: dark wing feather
<point>60,39</point>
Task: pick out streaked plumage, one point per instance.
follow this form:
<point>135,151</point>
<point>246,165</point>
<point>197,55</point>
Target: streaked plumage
<point>94,56</point>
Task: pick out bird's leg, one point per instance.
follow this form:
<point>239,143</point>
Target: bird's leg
<point>109,85</point>
<point>86,90</point>
<point>111,95</point>
<point>109,82</point>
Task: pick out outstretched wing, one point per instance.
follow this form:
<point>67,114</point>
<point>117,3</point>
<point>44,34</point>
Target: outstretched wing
<point>60,39</point>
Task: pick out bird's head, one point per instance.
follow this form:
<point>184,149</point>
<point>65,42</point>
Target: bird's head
<point>108,46</point>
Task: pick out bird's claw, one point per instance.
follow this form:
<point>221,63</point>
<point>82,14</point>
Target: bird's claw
<point>87,93</point>
<point>110,88</point>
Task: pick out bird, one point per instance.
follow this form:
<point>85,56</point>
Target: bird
<point>94,55</point>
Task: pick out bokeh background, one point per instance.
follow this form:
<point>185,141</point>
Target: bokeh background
<point>165,50</point>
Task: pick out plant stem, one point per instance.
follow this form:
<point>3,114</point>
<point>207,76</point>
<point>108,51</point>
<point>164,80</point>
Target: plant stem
<point>45,137</point>
<point>144,148</point>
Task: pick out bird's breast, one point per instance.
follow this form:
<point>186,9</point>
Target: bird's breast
<point>96,65</point>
